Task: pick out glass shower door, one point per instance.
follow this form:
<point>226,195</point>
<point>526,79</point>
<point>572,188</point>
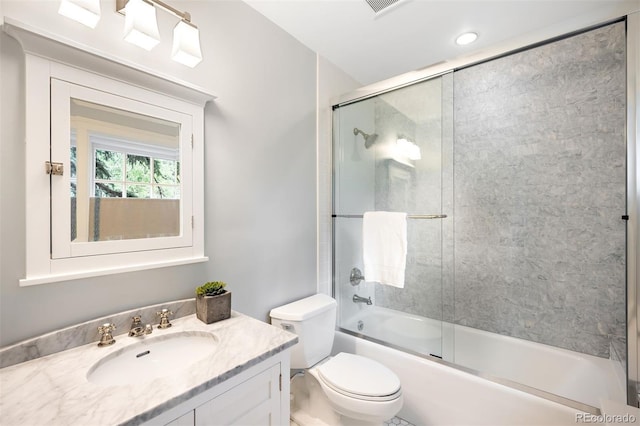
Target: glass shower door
<point>393,152</point>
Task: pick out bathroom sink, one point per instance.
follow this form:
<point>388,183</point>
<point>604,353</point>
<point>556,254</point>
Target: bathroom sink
<point>152,357</point>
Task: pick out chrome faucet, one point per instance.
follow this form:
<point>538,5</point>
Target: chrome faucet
<point>137,329</point>
<point>358,299</point>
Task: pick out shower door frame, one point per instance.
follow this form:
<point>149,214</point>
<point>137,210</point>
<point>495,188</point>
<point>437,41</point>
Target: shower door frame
<point>633,209</point>
<point>633,187</point>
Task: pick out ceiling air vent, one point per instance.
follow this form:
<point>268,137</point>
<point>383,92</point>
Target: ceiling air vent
<point>380,5</point>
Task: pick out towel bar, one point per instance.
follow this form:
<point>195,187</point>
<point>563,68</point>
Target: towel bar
<point>410,216</point>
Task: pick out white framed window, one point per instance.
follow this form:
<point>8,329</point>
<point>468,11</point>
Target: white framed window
<point>130,169</point>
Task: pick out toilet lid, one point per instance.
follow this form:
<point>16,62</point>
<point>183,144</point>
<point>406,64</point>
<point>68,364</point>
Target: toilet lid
<point>357,375</point>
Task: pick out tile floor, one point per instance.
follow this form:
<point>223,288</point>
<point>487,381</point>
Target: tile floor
<point>397,421</point>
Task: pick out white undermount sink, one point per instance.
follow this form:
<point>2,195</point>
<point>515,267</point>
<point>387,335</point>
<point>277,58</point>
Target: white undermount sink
<point>152,357</point>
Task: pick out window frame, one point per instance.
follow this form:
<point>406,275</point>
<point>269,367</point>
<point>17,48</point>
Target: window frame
<point>62,93</point>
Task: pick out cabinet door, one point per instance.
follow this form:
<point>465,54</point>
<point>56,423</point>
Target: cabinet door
<point>253,402</point>
<point>186,420</point>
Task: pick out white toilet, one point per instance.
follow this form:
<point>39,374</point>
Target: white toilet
<point>344,389</point>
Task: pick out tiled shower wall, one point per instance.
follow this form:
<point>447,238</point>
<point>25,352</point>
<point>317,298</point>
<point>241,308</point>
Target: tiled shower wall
<point>539,190</point>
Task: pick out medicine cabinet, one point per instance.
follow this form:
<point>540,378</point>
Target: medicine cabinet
<point>114,164</point>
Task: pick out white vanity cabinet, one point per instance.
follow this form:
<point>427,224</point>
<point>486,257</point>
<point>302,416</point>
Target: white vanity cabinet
<point>258,396</point>
<point>254,402</point>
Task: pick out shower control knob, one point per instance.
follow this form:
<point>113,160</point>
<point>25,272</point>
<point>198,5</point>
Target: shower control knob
<point>356,276</point>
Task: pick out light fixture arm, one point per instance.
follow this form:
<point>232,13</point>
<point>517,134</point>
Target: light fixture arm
<point>185,16</point>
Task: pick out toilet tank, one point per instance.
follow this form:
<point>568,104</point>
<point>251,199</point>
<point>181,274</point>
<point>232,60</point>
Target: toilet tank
<point>313,319</point>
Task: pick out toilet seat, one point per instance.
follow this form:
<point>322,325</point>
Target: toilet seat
<point>360,378</point>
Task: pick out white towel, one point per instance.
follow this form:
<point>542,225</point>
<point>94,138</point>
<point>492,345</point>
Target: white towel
<point>384,243</point>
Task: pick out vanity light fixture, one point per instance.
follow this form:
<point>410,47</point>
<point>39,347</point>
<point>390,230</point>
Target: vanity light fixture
<point>408,149</point>
<point>466,38</point>
<point>87,12</point>
<point>140,24</point>
<point>186,44</point>
<point>142,29</point>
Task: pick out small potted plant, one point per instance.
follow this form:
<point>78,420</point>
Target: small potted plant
<point>213,302</point>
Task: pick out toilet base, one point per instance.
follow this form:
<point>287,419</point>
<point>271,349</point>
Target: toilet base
<point>310,406</point>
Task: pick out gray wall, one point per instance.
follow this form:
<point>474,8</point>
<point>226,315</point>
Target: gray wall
<point>539,192</point>
<point>261,164</point>
<point>260,167</point>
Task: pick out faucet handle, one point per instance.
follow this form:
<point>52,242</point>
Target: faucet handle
<point>164,318</point>
<point>106,331</point>
<point>136,320</point>
<point>106,328</point>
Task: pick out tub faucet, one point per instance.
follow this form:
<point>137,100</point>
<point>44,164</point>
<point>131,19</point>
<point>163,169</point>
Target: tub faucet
<point>137,329</point>
<point>358,299</point>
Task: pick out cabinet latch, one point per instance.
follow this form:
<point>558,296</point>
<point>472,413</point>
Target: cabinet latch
<point>56,169</point>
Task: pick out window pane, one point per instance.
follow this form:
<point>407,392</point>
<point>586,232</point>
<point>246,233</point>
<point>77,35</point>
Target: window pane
<point>109,165</point>
<point>138,168</point>
<point>108,190</point>
<point>166,192</point>
<point>72,159</point>
<point>73,179</point>
<point>138,191</point>
<point>165,171</point>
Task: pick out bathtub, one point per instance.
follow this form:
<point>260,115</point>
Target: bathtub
<point>506,360</point>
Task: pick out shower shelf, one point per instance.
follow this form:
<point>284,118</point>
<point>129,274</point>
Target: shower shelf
<point>410,216</point>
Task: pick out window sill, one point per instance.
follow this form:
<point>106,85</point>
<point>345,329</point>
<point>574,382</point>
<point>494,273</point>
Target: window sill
<point>45,279</point>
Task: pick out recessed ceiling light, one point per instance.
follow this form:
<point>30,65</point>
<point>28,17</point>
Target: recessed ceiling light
<point>466,38</point>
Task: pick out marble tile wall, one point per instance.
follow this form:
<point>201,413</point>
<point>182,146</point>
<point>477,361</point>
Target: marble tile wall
<point>539,193</point>
<point>448,267</point>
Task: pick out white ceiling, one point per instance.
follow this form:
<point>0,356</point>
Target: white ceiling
<point>414,34</point>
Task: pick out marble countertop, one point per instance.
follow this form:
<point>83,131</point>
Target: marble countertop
<point>54,390</point>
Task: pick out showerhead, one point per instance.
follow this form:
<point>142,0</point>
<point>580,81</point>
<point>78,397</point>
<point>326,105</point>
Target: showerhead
<point>369,140</point>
